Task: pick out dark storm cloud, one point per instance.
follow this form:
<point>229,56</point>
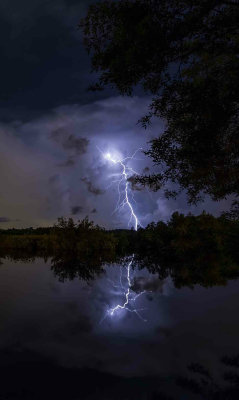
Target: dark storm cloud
<point>4,219</point>
<point>78,144</point>
<point>91,188</point>
<point>72,328</point>
<point>76,210</point>
<point>82,325</point>
<point>70,142</point>
<point>164,331</point>
<point>67,163</point>
<point>43,63</point>
<point>53,178</point>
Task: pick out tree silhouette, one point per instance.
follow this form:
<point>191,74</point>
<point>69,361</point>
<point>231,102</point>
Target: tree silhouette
<point>185,54</point>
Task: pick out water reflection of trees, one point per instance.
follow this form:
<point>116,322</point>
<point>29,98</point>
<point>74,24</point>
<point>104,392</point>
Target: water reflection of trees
<point>201,381</point>
<point>64,266</point>
<point>206,274</point>
<point>68,268</point>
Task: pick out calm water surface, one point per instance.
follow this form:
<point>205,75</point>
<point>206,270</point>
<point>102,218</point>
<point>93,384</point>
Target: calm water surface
<point>73,339</point>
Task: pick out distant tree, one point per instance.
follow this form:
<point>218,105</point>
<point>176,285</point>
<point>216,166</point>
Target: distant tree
<point>64,233</point>
<point>86,225</point>
<point>186,54</point>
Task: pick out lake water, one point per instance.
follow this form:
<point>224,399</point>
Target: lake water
<point>125,334</point>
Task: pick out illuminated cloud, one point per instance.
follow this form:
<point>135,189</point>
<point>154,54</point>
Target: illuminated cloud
<point>53,163</point>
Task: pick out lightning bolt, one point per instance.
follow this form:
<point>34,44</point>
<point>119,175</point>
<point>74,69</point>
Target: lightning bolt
<point>125,193</point>
<point>125,199</point>
<point>129,297</point>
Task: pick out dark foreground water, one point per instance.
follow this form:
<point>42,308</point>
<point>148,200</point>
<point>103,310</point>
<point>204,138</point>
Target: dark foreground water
<point>124,335</point>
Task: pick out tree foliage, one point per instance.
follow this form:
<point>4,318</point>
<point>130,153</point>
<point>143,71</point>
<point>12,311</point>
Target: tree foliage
<point>186,55</point>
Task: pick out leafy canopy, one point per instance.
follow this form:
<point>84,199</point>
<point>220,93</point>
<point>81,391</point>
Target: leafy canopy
<point>186,54</point>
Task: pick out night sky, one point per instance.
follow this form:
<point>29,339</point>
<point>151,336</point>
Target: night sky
<point>52,128</point>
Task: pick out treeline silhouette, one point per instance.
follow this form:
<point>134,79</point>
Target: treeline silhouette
<point>191,249</point>
<point>66,237</point>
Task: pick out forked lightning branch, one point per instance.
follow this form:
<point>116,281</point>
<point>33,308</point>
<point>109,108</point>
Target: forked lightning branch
<point>125,194</point>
